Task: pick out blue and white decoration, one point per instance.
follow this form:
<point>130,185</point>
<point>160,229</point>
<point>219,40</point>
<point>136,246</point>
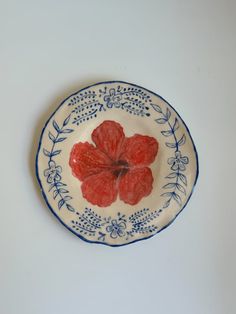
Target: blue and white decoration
<point>179,162</point>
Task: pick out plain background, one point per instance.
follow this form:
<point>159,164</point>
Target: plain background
<point>183,50</point>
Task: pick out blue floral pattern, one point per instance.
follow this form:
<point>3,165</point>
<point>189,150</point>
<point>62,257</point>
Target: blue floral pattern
<point>53,172</point>
<point>89,223</point>
<point>178,162</point>
<point>113,98</point>
<point>132,100</point>
<point>88,104</point>
<point>116,229</point>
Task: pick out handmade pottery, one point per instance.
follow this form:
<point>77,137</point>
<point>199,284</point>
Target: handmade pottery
<point>116,163</point>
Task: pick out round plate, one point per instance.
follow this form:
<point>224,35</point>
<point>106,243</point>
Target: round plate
<point>116,163</point>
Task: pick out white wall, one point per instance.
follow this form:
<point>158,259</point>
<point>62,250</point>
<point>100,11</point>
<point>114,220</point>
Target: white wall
<point>183,50</point>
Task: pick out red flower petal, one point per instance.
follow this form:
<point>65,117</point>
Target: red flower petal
<point>86,160</point>
<point>109,137</point>
<point>100,189</point>
<point>135,184</point>
<point>139,150</point>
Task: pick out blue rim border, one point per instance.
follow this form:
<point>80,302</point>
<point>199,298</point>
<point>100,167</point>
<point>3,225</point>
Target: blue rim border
<point>45,197</point>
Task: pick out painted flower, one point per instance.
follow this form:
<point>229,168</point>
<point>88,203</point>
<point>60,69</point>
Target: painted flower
<point>178,162</point>
<point>53,172</point>
<point>115,166</point>
<point>113,99</point>
<point>116,229</point>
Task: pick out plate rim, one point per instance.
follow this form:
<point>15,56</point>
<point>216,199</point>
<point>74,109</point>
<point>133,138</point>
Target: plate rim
<point>44,194</point>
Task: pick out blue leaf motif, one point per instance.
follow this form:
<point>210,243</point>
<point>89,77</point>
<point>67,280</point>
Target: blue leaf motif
<point>169,194</point>
<point>177,198</point>
<point>61,203</point>
<point>66,121</point>
<point>167,203</point>
<point>67,198</point>
<point>183,178</point>
<point>167,133</point>
<point>70,208</point>
<point>171,175</point>
<point>46,153</point>
<point>177,162</point>
<point>56,126</point>
<point>55,193</point>
<point>169,186</point>
<point>67,131</point>
<point>60,139</point>
<point>53,173</point>
<point>176,125</point>
<point>156,108</point>
<point>161,120</point>
<point>168,113</point>
<point>63,190</point>
<point>171,145</point>
<point>182,140</point>
<point>51,136</point>
<point>180,188</point>
<point>56,152</point>
<point>60,184</point>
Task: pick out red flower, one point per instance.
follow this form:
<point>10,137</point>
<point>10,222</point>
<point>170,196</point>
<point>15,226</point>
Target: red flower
<point>116,165</point>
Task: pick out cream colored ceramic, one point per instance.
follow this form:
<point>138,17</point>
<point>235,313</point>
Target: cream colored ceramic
<point>123,203</point>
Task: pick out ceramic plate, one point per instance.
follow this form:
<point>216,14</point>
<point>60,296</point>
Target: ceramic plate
<point>116,163</point>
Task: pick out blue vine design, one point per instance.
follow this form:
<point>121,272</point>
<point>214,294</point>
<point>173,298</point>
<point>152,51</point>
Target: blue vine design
<point>86,111</point>
<point>53,172</point>
<point>177,162</point>
<point>131,99</point>
<point>87,105</point>
<point>91,224</point>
